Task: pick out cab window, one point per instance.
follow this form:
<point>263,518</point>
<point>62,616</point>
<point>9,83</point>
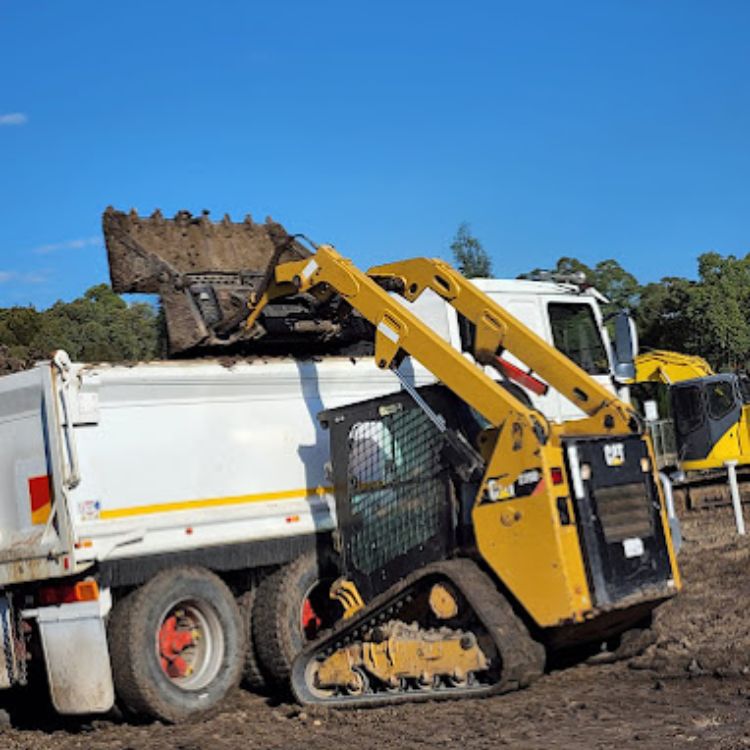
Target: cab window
<point>687,406</point>
<point>576,334</point>
<point>721,399</point>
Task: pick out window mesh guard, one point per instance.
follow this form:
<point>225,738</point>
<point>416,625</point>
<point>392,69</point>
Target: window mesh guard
<point>396,486</point>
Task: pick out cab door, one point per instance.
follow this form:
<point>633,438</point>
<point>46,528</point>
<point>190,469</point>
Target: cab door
<point>529,309</point>
<point>574,327</point>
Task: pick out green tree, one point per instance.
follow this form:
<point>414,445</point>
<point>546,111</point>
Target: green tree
<point>618,285</point>
<point>719,309</point>
<point>99,326</point>
<point>608,276</point>
<point>469,255</point>
<point>663,316</point>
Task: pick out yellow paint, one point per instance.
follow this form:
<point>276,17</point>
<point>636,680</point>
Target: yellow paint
<point>731,446</point>
<point>347,594</point>
<point>41,515</point>
<point>659,366</point>
<point>406,653</point>
<point>217,502</point>
<point>537,558</point>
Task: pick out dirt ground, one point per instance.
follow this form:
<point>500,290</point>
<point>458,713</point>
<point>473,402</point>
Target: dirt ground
<point>692,686</point>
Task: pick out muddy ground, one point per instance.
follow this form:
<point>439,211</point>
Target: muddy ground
<point>690,688</point>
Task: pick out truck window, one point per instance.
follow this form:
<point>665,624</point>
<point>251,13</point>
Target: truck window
<point>576,334</point>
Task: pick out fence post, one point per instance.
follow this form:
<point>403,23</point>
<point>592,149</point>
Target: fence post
<point>736,500</point>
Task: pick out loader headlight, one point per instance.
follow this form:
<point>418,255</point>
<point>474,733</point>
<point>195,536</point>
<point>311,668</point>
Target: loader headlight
<point>585,472</point>
<point>645,465</point>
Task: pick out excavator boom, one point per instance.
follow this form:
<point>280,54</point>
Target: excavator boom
<point>662,366</point>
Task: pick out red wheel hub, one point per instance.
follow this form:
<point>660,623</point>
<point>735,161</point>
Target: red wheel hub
<point>310,621</point>
<point>173,640</point>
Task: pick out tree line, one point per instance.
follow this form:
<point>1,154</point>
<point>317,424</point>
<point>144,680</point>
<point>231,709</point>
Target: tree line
<point>708,316</point>
<point>97,327</point>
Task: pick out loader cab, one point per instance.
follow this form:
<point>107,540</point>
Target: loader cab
<point>706,411</point>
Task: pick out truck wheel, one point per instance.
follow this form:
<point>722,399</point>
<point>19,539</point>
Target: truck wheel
<point>252,674</point>
<point>291,608</point>
<point>177,645</point>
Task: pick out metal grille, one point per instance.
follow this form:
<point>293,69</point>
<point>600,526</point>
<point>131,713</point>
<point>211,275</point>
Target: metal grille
<point>624,511</point>
<point>396,491</point>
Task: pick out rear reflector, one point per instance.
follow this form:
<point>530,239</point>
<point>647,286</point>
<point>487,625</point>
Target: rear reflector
<point>557,475</point>
<point>82,591</point>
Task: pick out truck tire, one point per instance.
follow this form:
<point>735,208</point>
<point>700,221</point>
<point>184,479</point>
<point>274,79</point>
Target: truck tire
<point>253,677</point>
<point>177,645</point>
<point>291,608</point>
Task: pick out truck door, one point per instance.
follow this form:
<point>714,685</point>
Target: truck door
<point>529,310</point>
<point>575,330</point>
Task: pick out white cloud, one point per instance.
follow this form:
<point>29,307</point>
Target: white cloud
<point>78,244</point>
<point>33,277</point>
<point>14,118</point>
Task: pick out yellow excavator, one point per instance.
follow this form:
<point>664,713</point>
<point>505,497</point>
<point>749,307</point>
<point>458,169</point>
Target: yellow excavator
<point>709,410</point>
<point>471,532</point>
<point>708,428</point>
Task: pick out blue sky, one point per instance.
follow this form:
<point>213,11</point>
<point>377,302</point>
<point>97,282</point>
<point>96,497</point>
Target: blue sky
<point>599,129</point>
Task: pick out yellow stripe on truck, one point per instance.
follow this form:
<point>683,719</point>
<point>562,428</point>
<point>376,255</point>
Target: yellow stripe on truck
<point>216,502</point>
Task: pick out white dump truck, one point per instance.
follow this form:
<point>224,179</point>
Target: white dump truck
<point>164,526</point>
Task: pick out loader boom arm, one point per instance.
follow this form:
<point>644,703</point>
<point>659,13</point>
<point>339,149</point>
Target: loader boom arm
<point>399,330</point>
<point>497,329</point>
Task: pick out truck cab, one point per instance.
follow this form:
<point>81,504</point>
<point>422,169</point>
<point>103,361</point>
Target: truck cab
<point>565,315</point>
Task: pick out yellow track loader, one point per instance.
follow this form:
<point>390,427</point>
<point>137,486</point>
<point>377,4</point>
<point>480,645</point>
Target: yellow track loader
<point>471,532</point>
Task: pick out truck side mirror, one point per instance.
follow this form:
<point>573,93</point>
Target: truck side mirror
<point>626,346</point>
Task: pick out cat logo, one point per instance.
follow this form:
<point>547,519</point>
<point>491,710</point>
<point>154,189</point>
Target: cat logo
<point>614,454</point>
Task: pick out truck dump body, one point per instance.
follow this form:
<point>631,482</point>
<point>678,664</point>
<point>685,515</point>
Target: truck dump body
<point>167,458</point>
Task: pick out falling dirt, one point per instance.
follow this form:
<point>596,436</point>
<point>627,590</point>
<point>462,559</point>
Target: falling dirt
<point>690,688</point>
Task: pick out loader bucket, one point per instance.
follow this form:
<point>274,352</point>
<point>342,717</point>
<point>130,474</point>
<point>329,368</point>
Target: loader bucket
<point>204,271</point>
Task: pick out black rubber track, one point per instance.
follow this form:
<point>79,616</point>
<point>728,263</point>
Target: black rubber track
<point>522,657</point>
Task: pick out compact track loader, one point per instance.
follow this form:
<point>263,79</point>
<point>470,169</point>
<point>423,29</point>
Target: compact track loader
<point>471,532</point>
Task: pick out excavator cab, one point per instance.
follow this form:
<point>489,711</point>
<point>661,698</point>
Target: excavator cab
<point>707,412</point>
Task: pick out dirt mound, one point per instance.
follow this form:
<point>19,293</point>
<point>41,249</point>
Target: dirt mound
<point>706,630</point>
